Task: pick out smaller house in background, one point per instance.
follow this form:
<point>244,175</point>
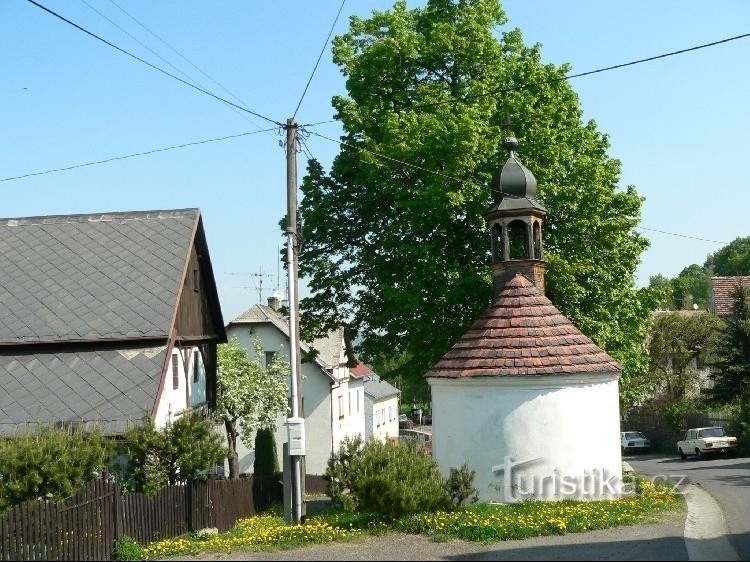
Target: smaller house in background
<point>721,293</point>
<point>381,404</point>
<point>106,319</point>
<point>332,402</point>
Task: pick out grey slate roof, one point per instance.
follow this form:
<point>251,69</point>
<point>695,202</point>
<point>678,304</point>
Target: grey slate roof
<point>378,389</point>
<point>89,277</point>
<point>110,386</point>
<point>329,348</point>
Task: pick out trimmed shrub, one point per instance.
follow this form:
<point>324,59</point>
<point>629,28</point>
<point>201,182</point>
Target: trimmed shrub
<point>387,479</point>
<point>266,460</point>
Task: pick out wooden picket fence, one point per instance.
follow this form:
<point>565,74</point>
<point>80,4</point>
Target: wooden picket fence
<point>85,526</point>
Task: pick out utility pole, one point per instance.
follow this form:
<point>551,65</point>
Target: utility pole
<point>295,423</point>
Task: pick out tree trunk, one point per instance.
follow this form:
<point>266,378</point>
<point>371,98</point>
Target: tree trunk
<point>232,457</point>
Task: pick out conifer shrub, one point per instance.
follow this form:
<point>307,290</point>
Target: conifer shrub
<point>460,485</point>
<point>45,459</point>
<point>266,460</point>
<point>387,479</point>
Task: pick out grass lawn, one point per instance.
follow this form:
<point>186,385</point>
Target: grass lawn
<point>479,522</point>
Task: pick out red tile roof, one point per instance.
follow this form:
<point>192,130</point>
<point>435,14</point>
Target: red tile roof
<point>522,333</point>
<point>360,371</point>
<point>721,293</point>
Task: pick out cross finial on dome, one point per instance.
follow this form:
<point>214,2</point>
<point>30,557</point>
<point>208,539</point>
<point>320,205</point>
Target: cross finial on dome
<point>510,142</point>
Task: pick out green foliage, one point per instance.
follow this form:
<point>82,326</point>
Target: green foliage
<point>266,459</point>
<point>676,340</point>
<point>731,369</point>
<point>387,479</point>
<point>692,286</point>
<point>48,460</point>
<point>676,412</point>
<point>127,548</point>
<point>460,485</point>
<point>733,259</point>
<point>403,252</point>
<point>342,471</point>
<point>250,397</point>
<point>183,450</point>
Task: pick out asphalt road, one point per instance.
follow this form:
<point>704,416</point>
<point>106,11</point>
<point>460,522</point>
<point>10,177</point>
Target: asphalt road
<point>726,479</point>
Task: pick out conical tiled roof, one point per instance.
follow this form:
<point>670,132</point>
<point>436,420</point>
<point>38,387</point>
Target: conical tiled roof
<point>522,333</point>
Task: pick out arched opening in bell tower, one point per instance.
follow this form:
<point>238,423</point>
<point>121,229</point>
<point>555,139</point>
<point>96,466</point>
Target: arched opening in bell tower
<point>518,240</point>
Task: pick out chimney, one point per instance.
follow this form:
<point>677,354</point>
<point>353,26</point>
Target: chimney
<point>274,301</point>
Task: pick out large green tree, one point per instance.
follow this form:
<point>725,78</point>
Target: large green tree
<point>676,341</point>
<point>731,372</point>
<point>732,259</point>
<point>399,251</point>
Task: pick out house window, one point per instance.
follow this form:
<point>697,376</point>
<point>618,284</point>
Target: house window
<point>196,283</point>
<point>341,407</point>
<point>196,363</point>
<point>357,400</point>
<point>350,403</point>
<point>175,372</point>
<point>270,356</point>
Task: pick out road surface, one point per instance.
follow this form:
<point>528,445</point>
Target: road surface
<point>726,479</point>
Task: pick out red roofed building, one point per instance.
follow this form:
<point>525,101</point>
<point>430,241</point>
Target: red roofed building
<point>523,383</point>
<point>721,293</point>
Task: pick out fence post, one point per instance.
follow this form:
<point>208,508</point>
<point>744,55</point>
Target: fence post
<point>117,504</point>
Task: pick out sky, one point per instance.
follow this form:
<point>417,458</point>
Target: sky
<point>679,125</point>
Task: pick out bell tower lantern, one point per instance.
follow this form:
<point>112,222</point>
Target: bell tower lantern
<point>515,223</point>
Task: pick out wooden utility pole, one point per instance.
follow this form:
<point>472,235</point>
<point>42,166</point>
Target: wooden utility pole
<point>295,422</point>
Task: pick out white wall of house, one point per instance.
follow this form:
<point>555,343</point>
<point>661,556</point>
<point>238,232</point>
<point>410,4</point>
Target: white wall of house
<point>570,423</point>
<point>184,384</point>
<point>385,418</point>
<point>355,410</point>
<point>324,428</point>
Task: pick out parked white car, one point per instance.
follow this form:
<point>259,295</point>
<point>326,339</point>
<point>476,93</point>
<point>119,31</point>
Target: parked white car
<point>703,441</point>
<point>634,442</point>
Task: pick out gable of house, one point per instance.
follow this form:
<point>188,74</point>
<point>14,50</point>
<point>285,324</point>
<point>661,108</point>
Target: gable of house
<point>89,313</point>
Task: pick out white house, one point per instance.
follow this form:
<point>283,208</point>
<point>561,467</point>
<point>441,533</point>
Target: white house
<point>381,404</point>
<point>332,404</point>
<point>524,398</point>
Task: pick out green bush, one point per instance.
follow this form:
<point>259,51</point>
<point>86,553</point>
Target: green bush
<point>387,479</point>
<point>48,460</point>
<point>126,548</point>
<point>266,460</point>
<point>342,471</point>
<point>184,450</point>
<point>460,485</point>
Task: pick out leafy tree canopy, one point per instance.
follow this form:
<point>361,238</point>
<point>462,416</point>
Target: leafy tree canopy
<point>733,259</point>
<point>676,340</point>
<point>691,286</point>
<point>401,253</point>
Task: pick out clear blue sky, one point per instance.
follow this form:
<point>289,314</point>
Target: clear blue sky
<point>678,125</point>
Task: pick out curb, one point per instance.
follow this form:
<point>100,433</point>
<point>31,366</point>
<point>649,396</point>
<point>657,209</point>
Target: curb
<point>706,531</point>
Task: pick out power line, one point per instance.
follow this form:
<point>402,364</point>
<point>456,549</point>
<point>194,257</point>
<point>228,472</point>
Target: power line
<point>383,156</point>
<point>158,69</point>
<point>187,60</point>
<point>125,157</point>
<point>320,56</point>
<point>682,235</point>
<point>588,73</point>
